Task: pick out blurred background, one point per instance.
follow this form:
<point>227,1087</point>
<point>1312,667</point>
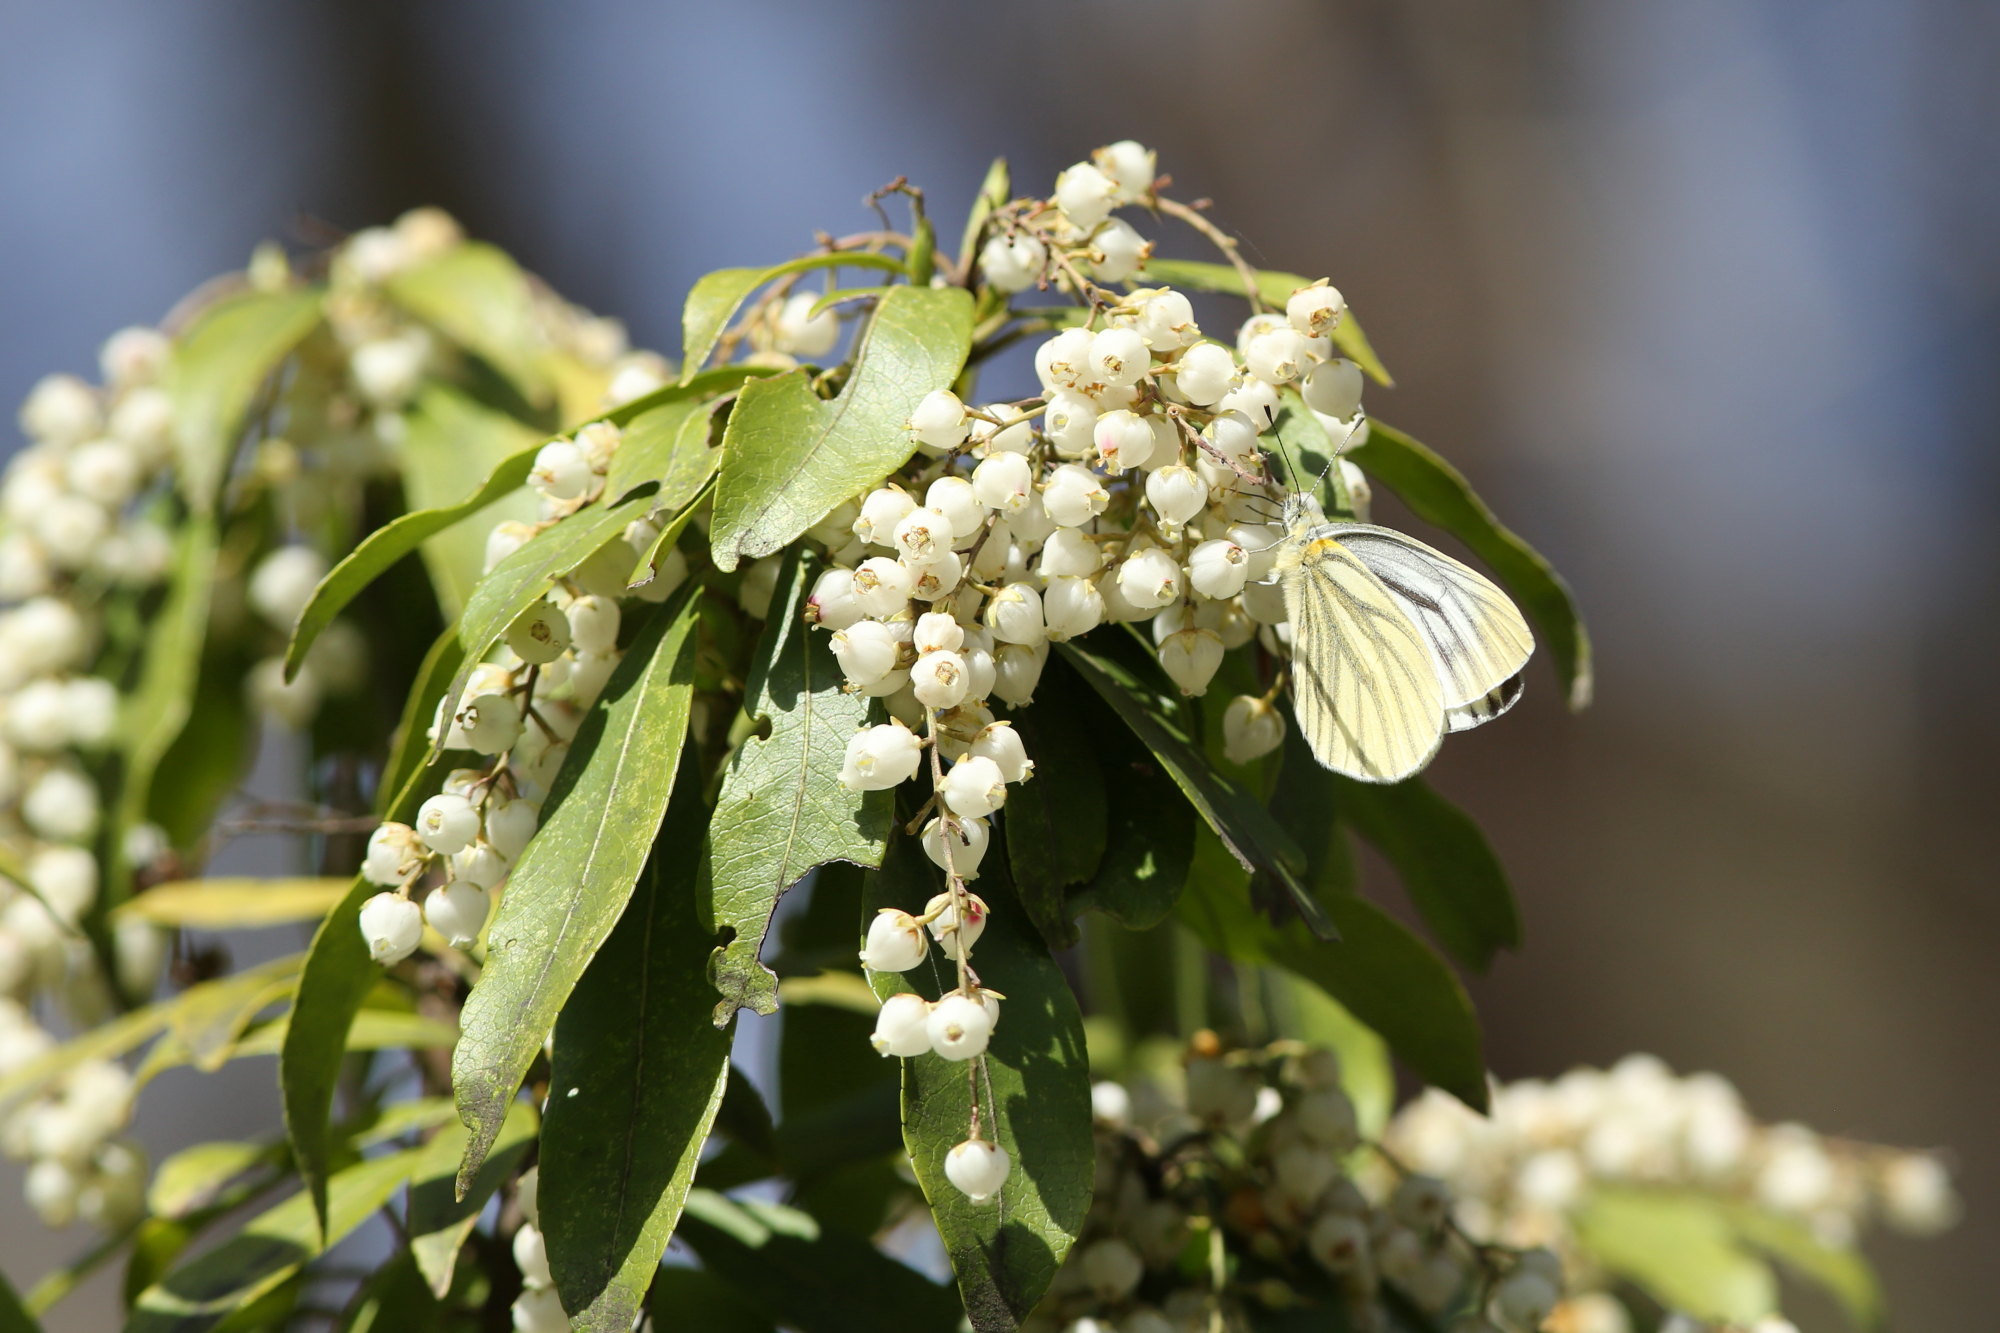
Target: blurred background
<point>1702,293</point>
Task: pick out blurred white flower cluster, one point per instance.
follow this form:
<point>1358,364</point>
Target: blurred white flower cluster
<point>1522,1174</point>
<point>1232,1194</point>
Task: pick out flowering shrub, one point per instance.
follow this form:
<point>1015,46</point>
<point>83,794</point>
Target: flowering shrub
<point>1007,692</point>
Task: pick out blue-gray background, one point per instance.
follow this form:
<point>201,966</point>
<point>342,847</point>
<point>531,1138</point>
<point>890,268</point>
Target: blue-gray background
<point>1701,292</point>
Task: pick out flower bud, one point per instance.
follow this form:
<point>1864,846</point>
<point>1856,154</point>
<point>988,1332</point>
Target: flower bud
<point>1166,321</point>
<point>999,742</point>
<point>866,651</point>
<point>1017,669</point>
<point>1012,263</point>
<point>1072,606</point>
<point>561,471</point>
<point>1119,356</point>
<point>446,823</point>
<point>880,757</point>
<point>1130,165</point>
<point>937,579</point>
<point>896,943</point>
<point>1176,493</point>
<point>511,824</point>
<point>939,679</point>
<point>937,632</point>
<point>62,806</point>
<point>540,635</point>
<point>392,925</point>
<point>1124,440</point>
<point>901,1026</point>
<point>1316,310</point>
<point>1068,422</point>
<point>1015,615</point>
<point>882,509</point>
<point>882,586</point>
<point>1149,578</point>
<point>796,331</point>
<point>1276,356</point>
<point>479,865</point>
<point>955,498</point>
<point>1074,495</point>
<point>1191,657</point>
<point>1003,482</point>
<point>393,854</point>
<point>1251,729</point>
<point>968,845</point>
<point>456,911</point>
<point>959,1027</point>
<point>1063,362</point>
<point>943,911</point>
<point>489,724</point>
<point>1218,569</point>
<point>1333,388</point>
<point>1085,195</point>
<point>1069,552</point>
<point>1117,251</point>
<point>1204,373</point>
<point>973,787</point>
<point>977,1168</point>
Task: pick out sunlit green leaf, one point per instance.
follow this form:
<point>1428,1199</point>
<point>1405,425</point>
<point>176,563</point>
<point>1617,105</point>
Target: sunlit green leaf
<point>193,1177</point>
<point>1439,494</point>
<point>234,903</point>
<point>568,888</point>
<point>782,809</point>
<point>716,297</point>
<point>789,456</point>
<point>476,295</point>
<point>639,1072</point>
<point>448,437</point>
<point>1681,1249</point>
<point>439,1220</point>
<point>1037,1075</point>
<point>1843,1272</point>
<point>1275,288</point>
<point>218,366</point>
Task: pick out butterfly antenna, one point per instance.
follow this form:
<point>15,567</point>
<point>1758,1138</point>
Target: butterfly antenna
<point>1360,415</point>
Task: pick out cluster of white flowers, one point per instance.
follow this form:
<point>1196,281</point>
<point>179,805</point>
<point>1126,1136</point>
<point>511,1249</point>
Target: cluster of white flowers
<point>1521,1172</point>
<point>538,1309</point>
<point>1252,1151</point>
<point>518,712</point>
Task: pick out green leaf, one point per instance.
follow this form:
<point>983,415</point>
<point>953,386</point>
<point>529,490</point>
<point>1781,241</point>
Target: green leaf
<point>782,809</point>
<point>1681,1249</point>
<point>994,192</point>
<point>372,1030</point>
<point>439,1220</point>
<point>194,1177</point>
<point>449,437</point>
<point>270,1250</point>
<point>525,577</point>
<point>213,753</point>
<point>14,1316</point>
<point>395,1299</point>
<point>1386,976</point>
<point>158,707</point>
<point>695,1298</point>
<point>1365,1072</point>
<point>669,444</point>
<point>1244,826</point>
<point>203,1029</point>
<point>716,297</point>
<point>477,296</point>
<point>789,457</point>
<point>1005,1252</point>
<point>1844,1273</point>
<point>816,1281</point>
<point>1055,822</point>
<point>639,1075</point>
<point>1439,494</point>
<point>218,366</point>
<point>338,972</point>
<point>568,888</point>
<point>1275,288</point>
<point>1451,875</point>
<point>1146,858</point>
<point>234,904</point>
<point>1310,448</point>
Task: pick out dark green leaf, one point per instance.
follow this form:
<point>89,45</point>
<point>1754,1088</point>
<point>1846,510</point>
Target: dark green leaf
<point>1146,858</point>
<point>715,299</point>
<point>789,456</point>
<point>439,1221</point>
<point>270,1250</point>
<point>1005,1252</point>
<point>1450,873</point>
<point>1681,1249</point>
<point>212,755</point>
<point>1439,494</point>
<point>669,445</point>
<point>782,809</point>
<point>638,1077</point>
<point>568,888</point>
<point>1245,828</point>
<point>338,972</point>
<point>1055,822</point>
<point>218,366</point>
<point>1386,976</point>
<point>1275,288</point>
<point>395,1299</point>
<point>816,1281</point>
<point>477,296</point>
<point>694,1298</point>
<point>14,1317</point>
<point>449,438</point>
<point>525,577</point>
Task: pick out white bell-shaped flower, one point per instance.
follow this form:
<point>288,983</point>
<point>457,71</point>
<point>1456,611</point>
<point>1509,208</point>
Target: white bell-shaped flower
<point>392,925</point>
<point>967,845</point>
<point>977,1168</point>
<point>880,757</point>
<point>959,1027</point>
<point>901,1026</point>
<point>896,943</point>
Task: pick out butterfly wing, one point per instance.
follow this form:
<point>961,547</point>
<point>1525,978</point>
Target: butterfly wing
<point>1365,692</point>
<point>1477,636</point>
<point>1484,709</point>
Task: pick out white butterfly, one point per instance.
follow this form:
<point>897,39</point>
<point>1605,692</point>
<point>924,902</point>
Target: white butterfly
<point>1394,644</point>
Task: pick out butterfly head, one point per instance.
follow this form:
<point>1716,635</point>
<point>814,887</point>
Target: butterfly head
<point>1302,511</point>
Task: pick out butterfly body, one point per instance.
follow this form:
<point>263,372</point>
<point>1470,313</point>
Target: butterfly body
<point>1394,644</point>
